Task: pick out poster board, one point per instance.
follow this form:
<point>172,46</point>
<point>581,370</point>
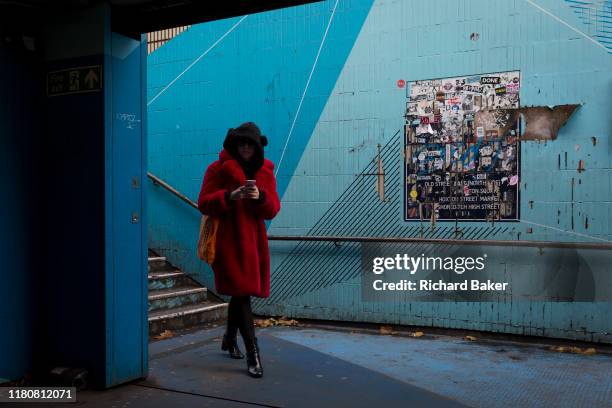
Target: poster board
<point>462,148</point>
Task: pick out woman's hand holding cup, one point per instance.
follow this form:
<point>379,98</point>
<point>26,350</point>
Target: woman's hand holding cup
<point>238,193</point>
<point>251,190</point>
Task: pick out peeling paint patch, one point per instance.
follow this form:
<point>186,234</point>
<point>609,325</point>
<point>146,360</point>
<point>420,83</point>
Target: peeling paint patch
<point>543,123</point>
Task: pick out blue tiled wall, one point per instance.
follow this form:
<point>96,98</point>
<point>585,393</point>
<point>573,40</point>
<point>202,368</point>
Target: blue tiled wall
<point>259,72</point>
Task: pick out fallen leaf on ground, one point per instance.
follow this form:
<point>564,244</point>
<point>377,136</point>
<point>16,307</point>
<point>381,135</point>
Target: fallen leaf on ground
<point>164,335</point>
<point>386,330</point>
<point>287,322</point>
<point>282,321</point>
<point>417,334</point>
<point>576,350</point>
<point>470,338</point>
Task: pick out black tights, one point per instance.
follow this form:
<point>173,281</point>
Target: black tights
<point>240,316</point>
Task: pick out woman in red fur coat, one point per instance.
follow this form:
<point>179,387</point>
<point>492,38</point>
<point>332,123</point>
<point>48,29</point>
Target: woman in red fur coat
<point>242,259</point>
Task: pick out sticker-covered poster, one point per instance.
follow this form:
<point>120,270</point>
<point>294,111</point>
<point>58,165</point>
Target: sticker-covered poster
<point>462,148</point>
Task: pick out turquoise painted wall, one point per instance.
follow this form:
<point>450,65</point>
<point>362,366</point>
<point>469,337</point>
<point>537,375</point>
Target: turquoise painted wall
<point>259,71</point>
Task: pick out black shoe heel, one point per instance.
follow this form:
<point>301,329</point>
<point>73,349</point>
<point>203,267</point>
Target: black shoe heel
<point>254,367</point>
<point>231,345</point>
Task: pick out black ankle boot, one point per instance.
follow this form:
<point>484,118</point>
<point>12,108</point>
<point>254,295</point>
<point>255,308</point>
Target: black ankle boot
<point>230,344</point>
<point>253,359</point>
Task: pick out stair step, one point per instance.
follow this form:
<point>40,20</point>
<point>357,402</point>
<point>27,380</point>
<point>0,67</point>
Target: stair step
<point>185,311</point>
<point>159,264</point>
<point>168,280</point>
<point>174,292</point>
<point>186,316</point>
<point>165,275</point>
<point>171,298</point>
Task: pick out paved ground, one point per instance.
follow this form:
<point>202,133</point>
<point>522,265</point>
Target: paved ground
<point>311,367</point>
<point>487,374</point>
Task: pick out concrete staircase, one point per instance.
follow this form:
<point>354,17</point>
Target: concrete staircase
<point>176,301</point>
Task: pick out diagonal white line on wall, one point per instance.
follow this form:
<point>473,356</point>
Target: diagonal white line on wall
<point>197,59</point>
<point>585,35</point>
<point>314,65</point>
<point>566,231</point>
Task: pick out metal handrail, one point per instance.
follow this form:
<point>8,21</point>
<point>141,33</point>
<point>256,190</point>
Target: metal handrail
<point>330,238</point>
<point>160,182</point>
<point>484,242</point>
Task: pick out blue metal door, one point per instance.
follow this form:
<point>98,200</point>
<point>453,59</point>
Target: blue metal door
<point>126,253</point>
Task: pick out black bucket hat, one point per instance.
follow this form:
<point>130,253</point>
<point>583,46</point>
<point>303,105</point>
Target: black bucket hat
<point>248,131</point>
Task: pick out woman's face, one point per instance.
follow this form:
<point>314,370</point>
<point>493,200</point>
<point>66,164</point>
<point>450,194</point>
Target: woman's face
<point>246,150</point>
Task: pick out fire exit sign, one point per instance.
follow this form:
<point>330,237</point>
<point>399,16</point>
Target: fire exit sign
<point>74,80</point>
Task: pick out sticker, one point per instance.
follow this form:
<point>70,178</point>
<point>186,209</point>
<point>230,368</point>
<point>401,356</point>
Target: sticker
<point>424,120</point>
<point>401,83</point>
<point>512,88</point>
<point>489,80</point>
<point>468,103</point>
<point>422,156</point>
<point>500,91</point>
<point>486,150</point>
<point>424,129</point>
<point>413,194</point>
<point>423,108</point>
<point>472,88</point>
<point>513,180</point>
<point>480,131</point>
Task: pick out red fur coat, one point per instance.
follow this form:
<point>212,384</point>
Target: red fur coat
<point>242,259</point>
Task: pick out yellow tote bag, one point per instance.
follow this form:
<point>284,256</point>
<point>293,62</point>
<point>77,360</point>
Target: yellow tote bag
<point>208,239</point>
